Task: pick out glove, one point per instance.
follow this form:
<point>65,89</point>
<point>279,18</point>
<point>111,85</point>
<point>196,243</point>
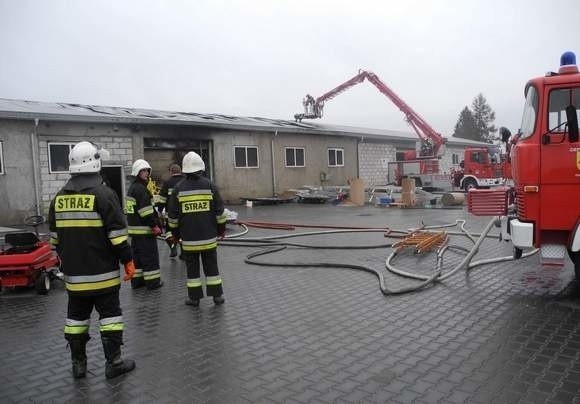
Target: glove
<point>171,241</point>
<point>129,270</point>
<point>221,231</point>
<point>156,230</point>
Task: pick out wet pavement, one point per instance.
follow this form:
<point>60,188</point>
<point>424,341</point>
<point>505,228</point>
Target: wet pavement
<point>507,332</point>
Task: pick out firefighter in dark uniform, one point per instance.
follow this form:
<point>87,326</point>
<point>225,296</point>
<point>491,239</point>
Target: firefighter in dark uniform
<point>164,194</point>
<point>89,230</point>
<point>196,216</point>
<point>144,227</point>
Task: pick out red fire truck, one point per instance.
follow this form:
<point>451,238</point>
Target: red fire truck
<point>544,202</point>
<point>484,167</point>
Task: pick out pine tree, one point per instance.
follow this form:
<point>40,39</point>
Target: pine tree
<point>465,127</point>
<point>484,117</point>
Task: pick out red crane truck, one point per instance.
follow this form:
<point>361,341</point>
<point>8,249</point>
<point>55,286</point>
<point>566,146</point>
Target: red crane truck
<point>422,164</point>
<point>544,201</point>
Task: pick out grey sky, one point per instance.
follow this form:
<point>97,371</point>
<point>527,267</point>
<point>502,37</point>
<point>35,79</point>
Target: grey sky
<point>260,57</point>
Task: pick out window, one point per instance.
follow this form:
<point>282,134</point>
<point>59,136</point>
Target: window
<point>246,156</point>
<point>58,157</point>
<point>455,158</point>
<point>1,159</point>
<point>335,157</point>
<point>294,156</point>
<point>559,100</point>
<point>530,113</point>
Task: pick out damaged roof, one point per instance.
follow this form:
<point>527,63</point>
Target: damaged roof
<point>66,112</point>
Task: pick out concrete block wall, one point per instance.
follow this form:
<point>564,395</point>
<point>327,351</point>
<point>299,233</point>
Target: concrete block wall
<point>446,162</point>
<point>120,147</point>
<point>373,159</point>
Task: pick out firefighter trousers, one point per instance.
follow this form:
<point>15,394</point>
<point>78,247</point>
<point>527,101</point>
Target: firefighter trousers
<point>213,281</point>
<point>146,256</point>
<point>79,317</point>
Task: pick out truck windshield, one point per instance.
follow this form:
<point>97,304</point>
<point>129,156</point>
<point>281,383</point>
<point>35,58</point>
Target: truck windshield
<point>559,100</point>
<point>530,113</point>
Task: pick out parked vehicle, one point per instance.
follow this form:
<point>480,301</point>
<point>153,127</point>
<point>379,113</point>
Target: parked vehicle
<point>27,261</point>
<point>544,201</point>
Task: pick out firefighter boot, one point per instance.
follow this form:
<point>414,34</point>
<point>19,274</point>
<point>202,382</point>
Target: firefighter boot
<point>78,355</point>
<point>173,252</point>
<point>218,300</point>
<point>115,366</point>
<point>192,302</point>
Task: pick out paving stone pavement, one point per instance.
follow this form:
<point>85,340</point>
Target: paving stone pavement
<point>501,333</point>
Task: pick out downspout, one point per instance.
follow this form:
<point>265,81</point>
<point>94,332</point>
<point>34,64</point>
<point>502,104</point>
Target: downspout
<point>358,142</point>
<point>35,168</point>
<point>274,187</point>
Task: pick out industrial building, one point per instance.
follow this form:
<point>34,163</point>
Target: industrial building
<point>245,156</point>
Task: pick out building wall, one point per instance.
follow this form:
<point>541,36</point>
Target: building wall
<point>235,183</point>
<point>17,196</point>
<point>316,170</point>
<point>446,162</point>
<point>373,159</point>
<point>366,159</point>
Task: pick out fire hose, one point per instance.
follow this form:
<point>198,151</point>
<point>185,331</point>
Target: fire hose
<point>273,245</point>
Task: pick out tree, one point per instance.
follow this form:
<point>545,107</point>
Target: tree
<point>484,117</point>
<point>465,127</point>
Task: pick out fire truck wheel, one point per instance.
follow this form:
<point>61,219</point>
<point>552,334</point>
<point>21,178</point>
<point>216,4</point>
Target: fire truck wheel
<point>42,283</point>
<point>469,183</point>
<point>518,253</point>
<point>575,257</point>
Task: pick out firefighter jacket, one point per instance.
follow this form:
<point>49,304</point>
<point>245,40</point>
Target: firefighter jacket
<point>141,215</point>
<point>166,191</point>
<point>196,209</point>
<point>89,230</point>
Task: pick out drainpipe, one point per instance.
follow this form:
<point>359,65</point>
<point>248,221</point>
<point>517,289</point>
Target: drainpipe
<point>35,169</point>
<point>274,188</point>
<point>362,139</point>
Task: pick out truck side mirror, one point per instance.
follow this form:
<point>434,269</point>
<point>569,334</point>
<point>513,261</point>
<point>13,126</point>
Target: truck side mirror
<point>572,119</point>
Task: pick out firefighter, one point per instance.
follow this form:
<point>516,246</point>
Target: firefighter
<point>144,227</point>
<point>166,190</point>
<point>89,230</point>
<point>196,215</point>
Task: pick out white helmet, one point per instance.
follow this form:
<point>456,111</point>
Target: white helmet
<point>192,163</point>
<point>139,165</point>
<point>85,157</point>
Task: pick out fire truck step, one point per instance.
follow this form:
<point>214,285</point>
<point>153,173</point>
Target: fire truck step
<point>552,254</point>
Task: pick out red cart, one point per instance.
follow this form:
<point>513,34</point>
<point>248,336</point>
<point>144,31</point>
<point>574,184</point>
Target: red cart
<point>27,261</point>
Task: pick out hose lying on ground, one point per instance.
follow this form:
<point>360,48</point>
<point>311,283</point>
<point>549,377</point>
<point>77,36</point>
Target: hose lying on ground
<point>437,276</point>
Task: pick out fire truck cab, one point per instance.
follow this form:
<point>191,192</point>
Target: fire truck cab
<point>482,167</point>
<point>546,168</point>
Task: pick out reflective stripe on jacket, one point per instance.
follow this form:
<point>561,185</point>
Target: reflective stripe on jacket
<point>89,229</point>
<point>195,209</point>
<point>141,215</point>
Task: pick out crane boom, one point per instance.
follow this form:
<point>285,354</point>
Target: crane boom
<point>313,109</point>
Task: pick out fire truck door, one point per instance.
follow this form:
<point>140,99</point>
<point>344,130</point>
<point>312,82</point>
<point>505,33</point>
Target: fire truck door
<point>560,165</point>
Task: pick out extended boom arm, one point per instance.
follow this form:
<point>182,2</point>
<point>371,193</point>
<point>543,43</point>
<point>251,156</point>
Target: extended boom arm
<point>313,109</point>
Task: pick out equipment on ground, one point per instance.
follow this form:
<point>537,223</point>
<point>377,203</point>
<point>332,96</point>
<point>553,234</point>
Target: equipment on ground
<point>483,167</point>
<point>27,261</point>
<point>544,208</point>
